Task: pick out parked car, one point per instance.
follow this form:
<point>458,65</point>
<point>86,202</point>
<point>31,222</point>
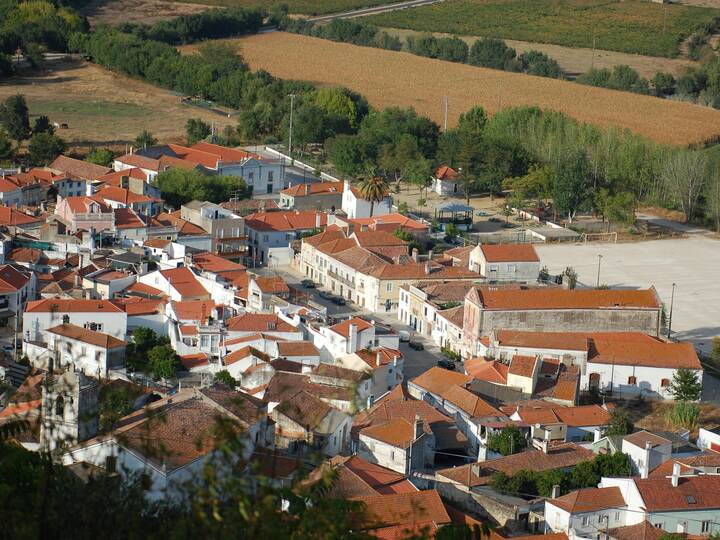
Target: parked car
<point>404,336</point>
<point>495,219</point>
<point>326,295</point>
<point>481,213</point>
<point>308,283</point>
<point>446,364</point>
<point>339,300</point>
<point>416,345</point>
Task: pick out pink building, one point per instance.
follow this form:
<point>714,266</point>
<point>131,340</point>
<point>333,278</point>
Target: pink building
<point>85,213</point>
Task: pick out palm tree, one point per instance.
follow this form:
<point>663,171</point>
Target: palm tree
<point>374,189</point>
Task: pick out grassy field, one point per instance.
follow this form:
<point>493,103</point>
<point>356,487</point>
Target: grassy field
<point>102,108</point>
<point>632,26</point>
<point>303,7</point>
<point>390,78</point>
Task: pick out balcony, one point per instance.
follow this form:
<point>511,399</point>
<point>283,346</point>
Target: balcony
<point>341,279</point>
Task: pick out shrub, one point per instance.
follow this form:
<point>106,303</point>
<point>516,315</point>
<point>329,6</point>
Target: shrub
<point>684,415</point>
<point>491,53</point>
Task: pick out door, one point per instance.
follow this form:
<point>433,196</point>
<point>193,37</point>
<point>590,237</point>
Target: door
<point>594,384</point>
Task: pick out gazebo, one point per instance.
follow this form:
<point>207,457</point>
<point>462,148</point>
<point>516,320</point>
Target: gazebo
<point>459,214</point>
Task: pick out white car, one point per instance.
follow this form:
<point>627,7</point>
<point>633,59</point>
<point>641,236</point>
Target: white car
<point>404,336</point>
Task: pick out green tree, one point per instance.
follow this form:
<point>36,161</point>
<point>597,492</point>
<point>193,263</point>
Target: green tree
<point>419,173</point>
<point>223,376</point>
<point>163,363</point>
<point>42,124</point>
<point>6,145</point>
<point>473,121</point>
<point>115,403</point>
<point>715,352</point>
<point>196,130</point>
<point>179,186</point>
<point>492,53</point>
<point>100,156</point>
<point>14,117</point>
<point>573,189</point>
<point>685,385</point>
<point>684,175</point>
<point>145,139</point>
<point>663,84</point>
<point>620,423</point>
<point>45,147</point>
<point>374,189</point>
<point>346,153</point>
<point>508,441</point>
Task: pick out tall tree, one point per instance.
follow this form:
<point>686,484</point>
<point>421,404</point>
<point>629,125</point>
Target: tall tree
<point>145,139</point>
<point>196,130</point>
<point>684,175</point>
<point>374,189</point>
<point>6,145</point>
<point>45,147</point>
<point>712,199</point>
<point>685,385</point>
<point>15,118</point>
<point>573,187</point>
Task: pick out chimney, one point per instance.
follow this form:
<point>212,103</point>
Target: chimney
<point>427,267</point>
<point>414,255</point>
<point>395,358</point>
<point>353,338</point>
<point>544,445</point>
<point>675,475</point>
<point>378,358</point>
<point>645,464</point>
<point>555,491</point>
<point>307,189</point>
<point>317,220</point>
<point>418,427</point>
<point>370,401</point>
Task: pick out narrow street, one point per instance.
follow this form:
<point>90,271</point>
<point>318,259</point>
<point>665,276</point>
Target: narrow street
<point>416,362</point>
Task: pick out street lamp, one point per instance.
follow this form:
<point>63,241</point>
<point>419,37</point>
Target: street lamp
<point>292,105</point>
<point>598,272</point>
<point>672,301</point>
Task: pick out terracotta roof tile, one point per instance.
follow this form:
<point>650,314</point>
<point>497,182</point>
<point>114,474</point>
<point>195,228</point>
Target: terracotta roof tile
<point>297,348</point>
<point>641,438</point>
<point>184,282</point>
<point>446,173</point>
<point>590,500</point>
<point>78,168</point>
<point>286,220</point>
<point>487,370</point>
<point>343,327</point>
<point>405,509</point>
<point>522,366</point>
<point>259,322</point>
<point>437,380</point>
<point>509,253</point>
<point>555,298</point>
<point>67,305</point>
<point>90,337</point>
<point>692,493</point>
<point>304,409</point>
<point>314,189</point>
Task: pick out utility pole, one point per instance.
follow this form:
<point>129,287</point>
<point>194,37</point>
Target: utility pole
<point>446,114</point>
<point>292,105</point>
<point>672,301</point>
<point>592,57</point>
<point>598,272</point>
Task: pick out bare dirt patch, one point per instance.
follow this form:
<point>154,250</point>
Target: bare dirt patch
<point>103,108</point>
<point>115,12</point>
<point>390,78</point>
<point>576,61</point>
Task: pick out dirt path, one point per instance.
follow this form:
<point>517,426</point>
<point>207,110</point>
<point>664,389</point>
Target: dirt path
<point>576,61</point>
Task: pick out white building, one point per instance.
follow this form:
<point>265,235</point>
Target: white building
<point>646,451</point>
<point>177,283</point>
<point>343,338</point>
<point>506,262</point>
<point>446,182</point>
<point>398,445</point>
<point>96,315</point>
<point>355,206</point>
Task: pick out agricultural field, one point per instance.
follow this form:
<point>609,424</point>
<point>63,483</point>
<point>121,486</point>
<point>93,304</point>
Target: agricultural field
<point>576,61</point>
<point>390,78</point>
<point>632,26</point>
<point>103,108</point>
<point>303,7</point>
<point>115,12</point>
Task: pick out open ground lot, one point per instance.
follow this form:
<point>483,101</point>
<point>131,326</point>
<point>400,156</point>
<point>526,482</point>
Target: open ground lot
<point>577,60</point>
<point>103,108</point>
<point>390,78</point>
<point>633,26</point>
<point>692,263</point>
<point>114,12</point>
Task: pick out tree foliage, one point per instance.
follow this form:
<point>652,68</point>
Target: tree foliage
<point>44,147</point>
<point>509,440</point>
<point>163,362</point>
<point>685,385</point>
<point>223,376</point>
<point>100,156</point>
<point>14,117</point>
<point>179,186</point>
<point>196,130</point>
<point>620,423</point>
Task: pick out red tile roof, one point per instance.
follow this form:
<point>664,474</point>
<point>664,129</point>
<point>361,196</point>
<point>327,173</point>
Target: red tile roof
<point>225,154</point>
<point>642,350</point>
<point>126,218</point>
<point>11,217</point>
<point>509,253</point>
<point>522,366</point>
<point>259,322</point>
<point>555,298</point>
<point>390,221</point>
<point>123,196</point>
<point>184,228</point>
<point>297,348</point>
<point>144,290</point>
<point>317,188</point>
<point>370,357</point>
<point>405,509</point>
<point>286,220</point>
<point>82,204</point>
<point>692,493</point>
<point>398,432</point>
<point>446,173</point>
<point>549,413</point>
<point>72,305</point>
<point>190,361</point>
<point>271,284</point>
<point>487,370</point>
<point>383,481</point>
<point>90,337</point>
<point>194,310</point>
<point>184,282</point>
<point>437,380</point>
<point>12,279</point>
<point>590,500</point>
<point>566,341</point>
<point>78,168</point>
<point>210,262</point>
<point>641,438</point>
<point>114,178</point>
<point>343,327</point>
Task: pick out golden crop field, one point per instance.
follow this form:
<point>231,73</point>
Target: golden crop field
<point>390,78</point>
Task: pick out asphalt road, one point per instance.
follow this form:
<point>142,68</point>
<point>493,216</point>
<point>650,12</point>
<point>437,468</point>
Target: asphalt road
<point>416,362</point>
<point>374,10</point>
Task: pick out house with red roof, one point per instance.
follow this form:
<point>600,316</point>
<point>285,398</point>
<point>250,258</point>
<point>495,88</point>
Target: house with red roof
<point>271,234</point>
<point>446,181</point>
<point>225,228</point>
<point>118,197</point>
<point>85,213</point>
<point>178,283</point>
<point>11,194</point>
<point>501,263</point>
<point>17,286</point>
<point>324,196</point>
<point>343,338</point>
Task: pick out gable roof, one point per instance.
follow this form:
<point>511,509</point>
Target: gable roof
<point>12,217</point>
<point>291,220</point>
<point>12,279</point>
<point>90,337</point>
<point>245,407</point>
<point>641,438</point>
<point>343,328</point>
<point>556,298</point>
<point>405,509</point>
<point>78,168</point>
<point>398,432</point>
<point>691,493</point>
<point>509,253</point>
<point>487,370</point>
<point>446,173</point>
<point>590,500</point>
<point>437,380</point>
<point>259,322</point>
<point>317,188</point>
<point>305,409</point>
<point>72,305</point>
<point>522,366</point>
<point>184,281</point>
<point>297,348</point>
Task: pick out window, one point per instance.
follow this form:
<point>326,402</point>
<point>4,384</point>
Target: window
<point>60,406</point>
<point>632,380</point>
<point>66,319</point>
<point>586,521</point>
<point>665,383</point>
<point>658,525</point>
<point>389,287</point>
<point>392,458</point>
<point>271,176</point>
<point>617,516</point>
<point>111,464</point>
<point>265,237</point>
<point>251,176</point>
<point>705,526</point>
